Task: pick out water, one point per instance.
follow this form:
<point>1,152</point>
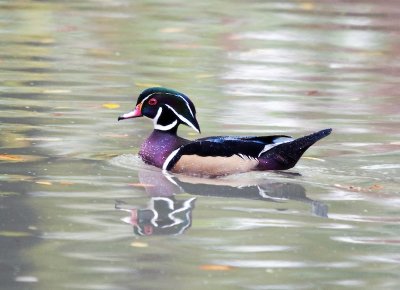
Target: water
<point>78,207</point>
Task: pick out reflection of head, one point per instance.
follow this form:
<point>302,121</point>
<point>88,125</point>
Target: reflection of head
<point>163,216</point>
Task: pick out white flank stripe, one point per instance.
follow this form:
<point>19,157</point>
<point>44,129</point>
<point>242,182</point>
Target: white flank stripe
<point>280,140</point>
<point>183,119</point>
<point>169,158</point>
<point>266,148</point>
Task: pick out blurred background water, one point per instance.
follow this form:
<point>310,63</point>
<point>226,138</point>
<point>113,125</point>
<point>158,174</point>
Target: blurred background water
<point>79,210</point>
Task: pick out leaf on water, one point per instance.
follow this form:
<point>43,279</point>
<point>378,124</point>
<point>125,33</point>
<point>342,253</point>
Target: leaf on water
<point>9,157</point>
<point>110,106</point>
<point>147,85</point>
<point>314,158</point>
<point>213,267</point>
<point>307,6</point>
<point>172,29</point>
<point>372,188</point>
<point>313,93</point>
<point>139,245</point>
<point>56,91</point>
<point>375,187</point>
<point>43,182</point>
<point>11,234</point>
<point>140,184</point>
<point>7,193</point>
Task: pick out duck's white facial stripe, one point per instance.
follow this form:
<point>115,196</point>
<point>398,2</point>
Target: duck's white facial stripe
<point>169,158</point>
<point>186,102</point>
<point>162,127</point>
<point>179,96</point>
<point>183,119</point>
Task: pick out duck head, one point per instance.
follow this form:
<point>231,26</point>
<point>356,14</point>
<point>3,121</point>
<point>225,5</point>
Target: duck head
<point>166,107</point>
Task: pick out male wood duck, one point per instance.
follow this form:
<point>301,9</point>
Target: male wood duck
<point>210,156</point>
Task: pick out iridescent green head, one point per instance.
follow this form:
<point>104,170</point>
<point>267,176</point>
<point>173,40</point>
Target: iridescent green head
<point>168,108</point>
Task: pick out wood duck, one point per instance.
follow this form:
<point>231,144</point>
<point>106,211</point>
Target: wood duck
<point>210,156</point>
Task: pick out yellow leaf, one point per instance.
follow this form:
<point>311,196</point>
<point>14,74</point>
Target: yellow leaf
<point>307,6</point>
<point>172,29</point>
<point>139,245</point>
<point>147,85</point>
<point>43,182</point>
<point>9,157</point>
<point>56,91</point>
<point>313,158</point>
<point>110,106</point>
<point>211,267</point>
<point>12,234</point>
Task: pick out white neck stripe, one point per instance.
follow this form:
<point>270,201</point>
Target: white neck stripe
<point>162,127</point>
<point>183,119</point>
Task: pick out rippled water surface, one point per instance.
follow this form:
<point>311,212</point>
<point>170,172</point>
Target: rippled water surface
<point>79,210</point>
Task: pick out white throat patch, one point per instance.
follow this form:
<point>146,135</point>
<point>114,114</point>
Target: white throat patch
<point>162,127</point>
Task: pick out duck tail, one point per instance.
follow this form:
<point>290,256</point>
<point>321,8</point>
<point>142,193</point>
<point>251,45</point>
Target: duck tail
<point>286,155</point>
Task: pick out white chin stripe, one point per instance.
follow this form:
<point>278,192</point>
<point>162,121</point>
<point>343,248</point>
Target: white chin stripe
<point>166,127</point>
<point>169,158</point>
<point>163,127</point>
<point>183,119</point>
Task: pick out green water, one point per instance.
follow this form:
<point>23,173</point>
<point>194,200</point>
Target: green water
<point>69,69</point>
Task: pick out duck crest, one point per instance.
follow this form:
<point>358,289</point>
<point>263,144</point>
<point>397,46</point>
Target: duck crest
<point>211,156</point>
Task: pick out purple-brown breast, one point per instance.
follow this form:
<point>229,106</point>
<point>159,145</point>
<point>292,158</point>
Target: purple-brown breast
<point>158,146</point>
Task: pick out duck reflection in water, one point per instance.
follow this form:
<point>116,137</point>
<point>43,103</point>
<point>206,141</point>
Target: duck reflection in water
<point>167,215</point>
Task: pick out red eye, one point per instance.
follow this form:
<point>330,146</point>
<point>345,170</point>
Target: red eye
<point>152,102</point>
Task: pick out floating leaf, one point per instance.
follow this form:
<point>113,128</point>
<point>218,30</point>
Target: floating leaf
<point>172,29</point>
<point>212,267</point>
<point>374,187</point>
<point>307,6</point>
<point>11,234</point>
<point>43,182</point>
<point>9,157</point>
<point>6,193</point>
<point>55,91</point>
<point>110,106</point>
<point>313,158</point>
<point>139,245</point>
<point>147,85</point>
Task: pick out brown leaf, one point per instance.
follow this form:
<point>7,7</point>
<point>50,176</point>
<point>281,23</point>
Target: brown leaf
<point>9,157</point>
<point>213,267</point>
